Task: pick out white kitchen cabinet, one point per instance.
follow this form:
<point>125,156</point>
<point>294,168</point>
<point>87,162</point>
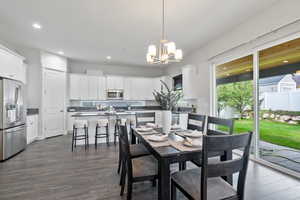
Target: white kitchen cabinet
<point>190,82</point>
<point>115,82</point>
<point>11,66</point>
<point>102,88</point>
<point>32,128</point>
<point>128,92</point>
<point>93,84</point>
<point>83,87</point>
<point>74,86</point>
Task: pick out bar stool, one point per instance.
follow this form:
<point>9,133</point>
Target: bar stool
<point>80,125</point>
<point>102,123</point>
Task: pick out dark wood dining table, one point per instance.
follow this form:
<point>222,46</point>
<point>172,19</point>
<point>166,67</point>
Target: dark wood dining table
<point>167,155</point>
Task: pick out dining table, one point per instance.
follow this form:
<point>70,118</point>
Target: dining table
<point>170,151</point>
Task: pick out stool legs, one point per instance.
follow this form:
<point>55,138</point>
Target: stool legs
<point>76,137</point>
<point>98,134</point>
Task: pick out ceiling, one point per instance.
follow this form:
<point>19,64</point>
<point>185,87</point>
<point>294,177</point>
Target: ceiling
<point>90,30</point>
<point>277,56</point>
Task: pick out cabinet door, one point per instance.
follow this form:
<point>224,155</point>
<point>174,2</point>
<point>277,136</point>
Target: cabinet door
<point>11,65</point>
<point>115,82</point>
<point>74,86</point>
<point>119,82</point>
<point>127,88</point>
<point>102,88</point>
<point>93,83</point>
<point>83,87</point>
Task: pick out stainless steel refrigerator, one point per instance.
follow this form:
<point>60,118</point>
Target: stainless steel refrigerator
<point>12,118</point>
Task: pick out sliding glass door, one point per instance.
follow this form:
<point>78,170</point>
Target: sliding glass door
<point>234,93</point>
<point>279,100</point>
<point>262,93</point>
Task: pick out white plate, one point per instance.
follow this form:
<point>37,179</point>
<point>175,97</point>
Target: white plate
<point>145,129</point>
<point>158,138</point>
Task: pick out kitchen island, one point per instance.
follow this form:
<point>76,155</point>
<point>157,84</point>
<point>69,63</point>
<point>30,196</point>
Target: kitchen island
<point>93,117</point>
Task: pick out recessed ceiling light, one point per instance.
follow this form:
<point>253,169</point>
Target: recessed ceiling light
<point>61,52</point>
<point>285,61</point>
<point>36,26</point>
<point>108,57</point>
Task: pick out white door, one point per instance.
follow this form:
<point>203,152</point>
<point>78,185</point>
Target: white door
<point>54,103</point>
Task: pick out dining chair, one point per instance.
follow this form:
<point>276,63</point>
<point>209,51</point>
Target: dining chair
<point>136,150</point>
<point>214,123</point>
<point>144,117</point>
<point>205,183</point>
<point>137,169</point>
<point>212,128</point>
<point>194,122</point>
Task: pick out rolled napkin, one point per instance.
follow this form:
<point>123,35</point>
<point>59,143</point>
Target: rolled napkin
<point>192,142</point>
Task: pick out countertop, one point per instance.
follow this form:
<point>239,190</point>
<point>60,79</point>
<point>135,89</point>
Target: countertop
<point>102,114</point>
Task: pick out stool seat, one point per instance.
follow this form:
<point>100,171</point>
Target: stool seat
<point>80,124</point>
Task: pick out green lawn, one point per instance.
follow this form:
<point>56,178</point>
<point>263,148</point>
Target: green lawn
<point>274,132</point>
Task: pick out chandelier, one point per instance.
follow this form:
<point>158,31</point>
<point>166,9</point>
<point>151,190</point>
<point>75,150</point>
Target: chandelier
<point>166,51</point>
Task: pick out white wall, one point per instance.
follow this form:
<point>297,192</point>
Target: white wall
<point>76,66</point>
<point>240,41</point>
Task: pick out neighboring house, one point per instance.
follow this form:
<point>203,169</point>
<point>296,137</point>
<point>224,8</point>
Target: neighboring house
<point>296,78</point>
<point>282,83</point>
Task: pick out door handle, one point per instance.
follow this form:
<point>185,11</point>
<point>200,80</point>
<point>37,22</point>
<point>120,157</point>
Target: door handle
<point>61,111</point>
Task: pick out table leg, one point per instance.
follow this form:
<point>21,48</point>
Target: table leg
<point>163,180</point>
<point>227,156</point>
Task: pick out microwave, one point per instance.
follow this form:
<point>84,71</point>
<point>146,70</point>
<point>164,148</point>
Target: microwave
<point>114,94</point>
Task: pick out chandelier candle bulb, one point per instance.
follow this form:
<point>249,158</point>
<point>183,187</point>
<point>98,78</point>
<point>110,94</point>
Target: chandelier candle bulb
<point>152,50</point>
<point>171,47</point>
<point>178,54</point>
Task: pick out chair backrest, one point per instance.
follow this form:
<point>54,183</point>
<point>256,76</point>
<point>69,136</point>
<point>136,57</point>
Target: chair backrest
<point>144,118</point>
<point>228,123</point>
<point>196,122</point>
<point>124,146</point>
<point>225,168</point>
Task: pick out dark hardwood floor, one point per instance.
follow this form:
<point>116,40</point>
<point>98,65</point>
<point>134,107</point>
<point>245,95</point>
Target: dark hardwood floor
<point>48,170</point>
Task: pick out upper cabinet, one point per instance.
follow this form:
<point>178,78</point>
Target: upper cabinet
<point>190,82</point>
<point>52,61</point>
<point>115,82</point>
<point>84,87</point>
<point>12,65</point>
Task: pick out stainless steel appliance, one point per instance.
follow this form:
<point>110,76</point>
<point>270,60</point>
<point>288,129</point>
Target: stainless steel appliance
<point>12,118</point>
<point>114,94</point>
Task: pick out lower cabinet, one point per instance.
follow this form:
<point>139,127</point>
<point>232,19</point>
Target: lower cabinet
<point>32,122</point>
<point>70,121</point>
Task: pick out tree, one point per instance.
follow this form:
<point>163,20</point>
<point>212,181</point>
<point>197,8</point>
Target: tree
<point>237,95</point>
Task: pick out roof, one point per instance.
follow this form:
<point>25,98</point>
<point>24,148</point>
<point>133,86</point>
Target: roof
<point>271,80</point>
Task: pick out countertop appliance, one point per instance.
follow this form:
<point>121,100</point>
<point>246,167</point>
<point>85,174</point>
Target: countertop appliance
<point>12,118</point>
<point>114,94</point>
